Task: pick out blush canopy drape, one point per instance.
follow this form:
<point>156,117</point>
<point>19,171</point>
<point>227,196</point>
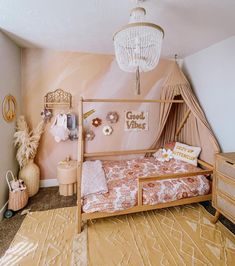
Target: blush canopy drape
<point>195,130</point>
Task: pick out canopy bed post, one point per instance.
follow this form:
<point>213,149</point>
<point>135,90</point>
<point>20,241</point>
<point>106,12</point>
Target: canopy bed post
<point>182,123</point>
<point>80,162</point>
<point>140,193</point>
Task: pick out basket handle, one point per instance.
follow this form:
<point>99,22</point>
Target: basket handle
<point>7,178</point>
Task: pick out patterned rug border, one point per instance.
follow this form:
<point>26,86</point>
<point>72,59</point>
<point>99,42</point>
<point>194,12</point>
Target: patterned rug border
<point>53,241</point>
<point>80,243</point>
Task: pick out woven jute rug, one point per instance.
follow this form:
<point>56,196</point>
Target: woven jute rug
<point>173,236</point>
<point>48,238</point>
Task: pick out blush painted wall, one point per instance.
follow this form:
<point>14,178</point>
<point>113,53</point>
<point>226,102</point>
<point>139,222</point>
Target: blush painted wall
<point>89,76</point>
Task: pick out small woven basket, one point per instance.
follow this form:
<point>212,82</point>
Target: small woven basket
<point>17,199</point>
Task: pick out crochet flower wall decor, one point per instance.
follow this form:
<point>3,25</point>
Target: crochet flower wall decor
<point>96,122</point>
<point>89,135</point>
<point>112,117</point>
<point>107,130</point>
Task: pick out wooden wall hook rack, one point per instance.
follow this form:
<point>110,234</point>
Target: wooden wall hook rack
<point>58,99</point>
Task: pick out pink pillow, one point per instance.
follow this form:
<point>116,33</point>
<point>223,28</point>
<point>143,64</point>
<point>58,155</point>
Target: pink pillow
<point>169,145</point>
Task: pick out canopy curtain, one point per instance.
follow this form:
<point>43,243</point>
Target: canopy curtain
<point>196,130</point>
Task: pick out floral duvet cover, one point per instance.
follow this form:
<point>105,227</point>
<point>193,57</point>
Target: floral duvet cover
<point>122,179</point>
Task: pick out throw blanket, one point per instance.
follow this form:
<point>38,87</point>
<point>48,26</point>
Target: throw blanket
<point>93,178</point>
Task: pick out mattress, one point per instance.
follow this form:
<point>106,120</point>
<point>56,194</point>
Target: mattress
<point>122,178</point>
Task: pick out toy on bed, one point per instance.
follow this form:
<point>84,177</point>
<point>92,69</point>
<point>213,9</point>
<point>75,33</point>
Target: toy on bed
<point>163,155</point>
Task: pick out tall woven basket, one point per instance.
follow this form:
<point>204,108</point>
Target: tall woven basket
<point>31,175</point>
<point>17,199</point>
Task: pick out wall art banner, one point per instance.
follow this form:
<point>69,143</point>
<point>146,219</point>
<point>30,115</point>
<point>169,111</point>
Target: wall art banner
<point>136,120</point>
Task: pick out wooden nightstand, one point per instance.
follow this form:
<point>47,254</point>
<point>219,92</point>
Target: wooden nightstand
<point>223,195</point>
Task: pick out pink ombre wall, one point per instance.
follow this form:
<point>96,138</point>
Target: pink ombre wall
<point>89,76</point>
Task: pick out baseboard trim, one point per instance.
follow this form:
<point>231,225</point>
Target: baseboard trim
<point>49,183</point>
<point>3,209</point>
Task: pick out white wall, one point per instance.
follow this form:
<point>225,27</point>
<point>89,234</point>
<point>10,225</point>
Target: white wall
<point>212,75</point>
<point>10,83</point>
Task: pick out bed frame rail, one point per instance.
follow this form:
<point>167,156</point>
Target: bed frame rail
<point>146,179</point>
<point>141,208</point>
<point>116,153</point>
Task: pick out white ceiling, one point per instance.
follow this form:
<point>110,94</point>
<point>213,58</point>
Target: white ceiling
<point>88,25</point>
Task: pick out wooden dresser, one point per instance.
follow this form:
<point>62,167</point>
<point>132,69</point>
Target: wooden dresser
<point>223,195</point>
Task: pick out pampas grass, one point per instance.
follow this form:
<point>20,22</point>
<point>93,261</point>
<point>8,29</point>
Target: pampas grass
<point>26,142</point>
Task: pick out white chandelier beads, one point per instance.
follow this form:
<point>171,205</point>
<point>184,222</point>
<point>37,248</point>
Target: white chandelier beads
<point>138,44</point>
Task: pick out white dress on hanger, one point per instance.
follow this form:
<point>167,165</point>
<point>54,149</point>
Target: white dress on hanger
<point>59,128</point>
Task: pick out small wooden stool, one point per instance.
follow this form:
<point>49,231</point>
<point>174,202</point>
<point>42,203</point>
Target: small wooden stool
<point>67,177</point>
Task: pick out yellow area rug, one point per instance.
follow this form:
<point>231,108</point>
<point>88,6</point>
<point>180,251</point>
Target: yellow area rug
<point>46,238</point>
<point>173,236</point>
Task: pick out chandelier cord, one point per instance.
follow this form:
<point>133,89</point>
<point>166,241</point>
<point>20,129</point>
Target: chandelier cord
<point>138,81</point>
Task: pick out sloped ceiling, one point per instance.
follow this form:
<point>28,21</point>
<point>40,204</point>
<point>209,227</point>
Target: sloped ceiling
<point>88,25</point>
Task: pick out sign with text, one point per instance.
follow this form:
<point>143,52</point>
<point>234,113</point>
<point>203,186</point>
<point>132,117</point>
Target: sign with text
<point>136,120</point>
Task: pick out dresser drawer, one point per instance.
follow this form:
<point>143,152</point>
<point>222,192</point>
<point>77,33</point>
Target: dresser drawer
<point>226,185</point>
<point>226,167</point>
<point>226,206</point>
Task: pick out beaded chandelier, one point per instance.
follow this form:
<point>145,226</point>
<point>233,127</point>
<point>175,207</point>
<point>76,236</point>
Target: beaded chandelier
<point>138,44</point>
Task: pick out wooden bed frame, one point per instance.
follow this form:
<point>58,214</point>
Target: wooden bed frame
<point>207,168</point>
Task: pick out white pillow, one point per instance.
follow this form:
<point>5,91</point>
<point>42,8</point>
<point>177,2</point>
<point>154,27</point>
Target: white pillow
<point>186,153</point>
